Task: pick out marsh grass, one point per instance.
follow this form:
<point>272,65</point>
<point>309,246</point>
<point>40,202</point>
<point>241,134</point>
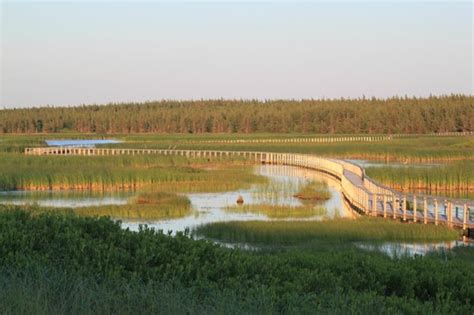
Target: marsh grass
<point>314,191</point>
<point>337,230</point>
<point>407,149</point>
<point>157,205</point>
<point>452,177</point>
<point>101,173</point>
<point>280,211</point>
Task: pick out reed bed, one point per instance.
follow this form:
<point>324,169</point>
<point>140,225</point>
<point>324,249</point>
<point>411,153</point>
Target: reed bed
<point>337,230</point>
<point>20,172</point>
<point>453,177</point>
<point>280,211</point>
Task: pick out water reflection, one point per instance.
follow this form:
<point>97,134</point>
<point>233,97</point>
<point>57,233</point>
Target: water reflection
<point>284,182</point>
<point>411,249</point>
<point>72,199</point>
<point>375,163</point>
<point>84,143</point>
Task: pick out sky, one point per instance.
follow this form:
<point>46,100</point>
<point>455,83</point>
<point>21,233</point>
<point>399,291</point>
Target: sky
<point>72,53</point>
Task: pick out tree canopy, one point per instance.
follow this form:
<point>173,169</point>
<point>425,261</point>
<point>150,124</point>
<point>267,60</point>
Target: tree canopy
<point>380,116</point>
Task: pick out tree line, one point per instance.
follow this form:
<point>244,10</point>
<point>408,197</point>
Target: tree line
<point>453,113</point>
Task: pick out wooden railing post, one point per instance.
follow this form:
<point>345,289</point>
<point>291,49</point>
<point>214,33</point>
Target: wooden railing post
<point>425,211</point>
<point>450,214</point>
<point>436,208</point>
<point>414,208</point>
<point>404,209</point>
<point>374,205</point>
<point>465,217</point>
<point>385,206</point>
<point>366,210</point>
<point>395,205</point>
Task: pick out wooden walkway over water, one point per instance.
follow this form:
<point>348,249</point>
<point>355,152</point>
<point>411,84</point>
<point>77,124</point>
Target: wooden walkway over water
<point>361,192</point>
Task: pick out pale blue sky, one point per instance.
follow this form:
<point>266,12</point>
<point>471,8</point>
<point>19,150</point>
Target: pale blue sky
<point>62,53</point>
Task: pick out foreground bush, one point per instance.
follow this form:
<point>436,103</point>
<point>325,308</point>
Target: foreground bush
<point>64,264</point>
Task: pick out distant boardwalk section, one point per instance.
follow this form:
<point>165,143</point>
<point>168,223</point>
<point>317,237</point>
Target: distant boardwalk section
<point>361,192</point>
<point>303,140</point>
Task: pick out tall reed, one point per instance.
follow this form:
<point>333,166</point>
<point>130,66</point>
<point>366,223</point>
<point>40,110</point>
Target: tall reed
<point>337,230</point>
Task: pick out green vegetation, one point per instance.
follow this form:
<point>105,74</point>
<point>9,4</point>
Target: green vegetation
<point>158,205</point>
<point>453,177</point>
<point>68,264</point>
<point>406,149</point>
<point>280,211</point>
<point>314,191</point>
<point>120,172</point>
<point>394,115</point>
<point>334,231</point>
<point>18,171</point>
<point>63,261</point>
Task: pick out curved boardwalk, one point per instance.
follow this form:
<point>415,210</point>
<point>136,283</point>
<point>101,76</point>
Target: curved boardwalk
<point>361,192</point>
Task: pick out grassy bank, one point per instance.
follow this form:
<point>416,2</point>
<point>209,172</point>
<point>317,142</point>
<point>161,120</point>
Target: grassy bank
<point>69,264</point>
<point>333,231</point>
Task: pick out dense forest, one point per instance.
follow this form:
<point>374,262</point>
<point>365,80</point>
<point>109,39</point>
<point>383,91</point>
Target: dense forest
<point>393,115</point>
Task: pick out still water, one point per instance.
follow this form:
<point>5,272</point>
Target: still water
<point>374,163</point>
<point>283,183</point>
<point>80,143</point>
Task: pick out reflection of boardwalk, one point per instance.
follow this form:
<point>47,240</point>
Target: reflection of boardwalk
<point>363,194</point>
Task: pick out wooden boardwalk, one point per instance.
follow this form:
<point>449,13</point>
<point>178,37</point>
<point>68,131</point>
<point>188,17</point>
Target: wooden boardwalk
<point>320,139</point>
<point>361,192</point>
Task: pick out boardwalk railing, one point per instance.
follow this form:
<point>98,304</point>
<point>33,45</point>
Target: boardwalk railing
<point>332,139</point>
<point>364,194</point>
<point>301,140</point>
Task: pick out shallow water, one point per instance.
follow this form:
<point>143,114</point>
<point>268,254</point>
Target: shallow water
<point>284,182</point>
<point>374,163</point>
<point>59,199</point>
<point>394,249</point>
<point>80,143</point>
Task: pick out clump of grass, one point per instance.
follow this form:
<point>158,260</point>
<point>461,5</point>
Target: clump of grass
<point>337,230</point>
<point>280,211</point>
<point>160,198</point>
<point>315,191</point>
<point>147,205</point>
